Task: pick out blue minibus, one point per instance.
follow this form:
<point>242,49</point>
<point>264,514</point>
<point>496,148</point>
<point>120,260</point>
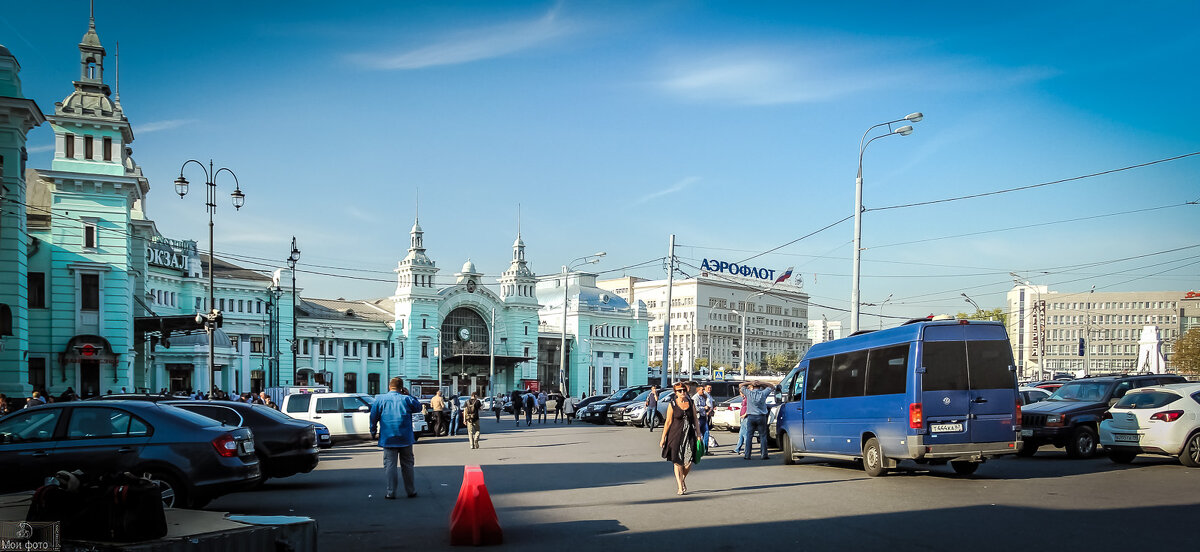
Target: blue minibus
<point>930,390</point>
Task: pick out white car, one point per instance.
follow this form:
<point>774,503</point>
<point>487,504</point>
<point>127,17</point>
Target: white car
<point>1163,419</point>
<point>1030,395</point>
<point>345,414</point>
<point>728,414</point>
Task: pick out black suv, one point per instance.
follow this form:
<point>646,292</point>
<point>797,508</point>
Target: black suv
<point>597,412</point>
<point>1069,418</point>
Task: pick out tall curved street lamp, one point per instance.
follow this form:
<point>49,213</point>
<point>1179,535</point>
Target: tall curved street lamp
<point>562,352</point>
<point>293,258</point>
<point>858,208</point>
<point>213,316</point>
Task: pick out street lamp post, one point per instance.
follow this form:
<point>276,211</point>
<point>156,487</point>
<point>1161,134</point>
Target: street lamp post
<point>275,312</point>
<point>293,258</point>
<point>973,303</point>
<point>213,317</point>
<point>858,208</point>
<point>566,269</point>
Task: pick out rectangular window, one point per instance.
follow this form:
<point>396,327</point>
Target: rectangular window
<point>354,349</point>
<point>260,305</point>
<point>89,298</point>
<point>945,366</point>
<point>241,306</point>
<point>256,344</point>
<point>108,155</point>
<point>987,365</point>
<point>424,349</point>
<point>37,373</point>
<point>305,342</point>
<point>233,342</point>
<point>819,370</point>
<point>887,370</point>
<point>89,235</point>
<point>623,379</point>
<point>69,143</point>
<point>37,290</point>
<point>221,303</point>
<point>87,147</point>
<point>849,374</point>
<point>345,348</point>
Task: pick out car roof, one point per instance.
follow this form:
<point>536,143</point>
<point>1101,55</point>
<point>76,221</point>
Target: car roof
<point>1025,388</point>
<point>1186,388</point>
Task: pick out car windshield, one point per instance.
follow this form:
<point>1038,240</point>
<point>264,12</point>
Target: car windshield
<point>1147,399</point>
<point>1082,391</point>
<point>642,396</point>
<point>272,413</point>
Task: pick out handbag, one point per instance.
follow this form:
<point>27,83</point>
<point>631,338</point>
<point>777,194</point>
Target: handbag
<point>701,450</point>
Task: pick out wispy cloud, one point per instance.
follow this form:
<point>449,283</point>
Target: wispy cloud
<point>473,45</point>
<point>155,126</point>
<point>40,149</point>
<point>797,74</point>
<point>359,214</point>
<point>677,187</point>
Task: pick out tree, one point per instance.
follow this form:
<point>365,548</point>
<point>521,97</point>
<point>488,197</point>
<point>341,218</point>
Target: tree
<point>990,314</point>
<point>1186,353</point>
<point>656,364</point>
<point>782,362</point>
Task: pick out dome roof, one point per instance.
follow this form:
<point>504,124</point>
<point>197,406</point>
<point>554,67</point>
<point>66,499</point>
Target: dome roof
<point>416,227</point>
<point>469,267</point>
<point>90,38</point>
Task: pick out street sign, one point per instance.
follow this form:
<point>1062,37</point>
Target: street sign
<point>87,350</point>
<point>718,375</point>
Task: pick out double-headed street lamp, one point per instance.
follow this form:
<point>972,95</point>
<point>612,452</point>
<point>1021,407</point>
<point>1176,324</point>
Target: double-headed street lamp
<point>293,258</point>
<point>210,319</point>
<point>562,353</point>
<point>972,302</point>
<point>858,208</point>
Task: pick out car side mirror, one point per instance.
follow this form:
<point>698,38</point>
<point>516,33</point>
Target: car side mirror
<point>364,409</point>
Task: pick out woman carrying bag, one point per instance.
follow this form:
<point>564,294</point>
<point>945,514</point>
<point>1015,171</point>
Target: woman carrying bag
<point>679,440</point>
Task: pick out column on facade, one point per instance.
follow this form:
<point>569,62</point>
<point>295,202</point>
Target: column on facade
<point>362,371</point>
<point>338,384</point>
<point>244,370</point>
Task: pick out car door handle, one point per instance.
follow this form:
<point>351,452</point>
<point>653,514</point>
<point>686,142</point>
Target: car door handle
<point>979,400</point>
<point>40,454</point>
<point>316,417</point>
<point>125,449</point>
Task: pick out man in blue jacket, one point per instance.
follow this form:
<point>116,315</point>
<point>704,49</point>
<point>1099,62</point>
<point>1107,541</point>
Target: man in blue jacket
<point>391,420</point>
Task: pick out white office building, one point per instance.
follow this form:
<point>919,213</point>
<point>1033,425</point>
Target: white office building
<point>820,331</point>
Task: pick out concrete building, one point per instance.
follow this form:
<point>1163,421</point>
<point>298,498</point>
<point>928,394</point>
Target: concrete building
<point>1046,326</point>
<point>707,313</point>
<point>820,331</point>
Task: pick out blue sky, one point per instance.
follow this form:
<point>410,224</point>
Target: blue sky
<point>615,124</point>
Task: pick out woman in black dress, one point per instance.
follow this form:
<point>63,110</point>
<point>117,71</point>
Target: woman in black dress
<point>679,435</point>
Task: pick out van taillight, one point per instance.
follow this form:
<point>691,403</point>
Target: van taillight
<point>226,445</point>
<point>915,420</point>
<point>1018,412</point>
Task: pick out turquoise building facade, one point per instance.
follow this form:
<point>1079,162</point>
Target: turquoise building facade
<point>95,299</point>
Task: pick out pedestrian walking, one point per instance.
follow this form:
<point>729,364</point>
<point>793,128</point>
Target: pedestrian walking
<point>679,435</point>
<point>438,404</point>
<point>541,407</point>
<point>498,404</point>
<point>710,408</point>
<point>471,416</point>
<point>530,403</point>
<point>455,412</point>
<point>35,400</point>
<point>571,404</point>
<point>391,420</point>
<point>4,405</point>
<point>756,394</point>
<point>652,407</point>
<point>516,400</point>
<point>266,400</point>
<point>557,398</point>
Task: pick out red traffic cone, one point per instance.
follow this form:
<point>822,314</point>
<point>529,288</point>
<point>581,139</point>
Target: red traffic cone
<point>473,520</point>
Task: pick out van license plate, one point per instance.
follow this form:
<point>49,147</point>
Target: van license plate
<point>945,428</point>
<point>1126,437</point>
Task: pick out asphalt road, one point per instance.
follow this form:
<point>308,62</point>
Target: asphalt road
<point>583,487</point>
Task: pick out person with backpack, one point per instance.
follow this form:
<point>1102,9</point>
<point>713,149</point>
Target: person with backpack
<point>530,404</point>
<point>516,401</point>
<point>471,416</point>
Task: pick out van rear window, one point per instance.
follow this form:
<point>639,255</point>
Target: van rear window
<point>963,365</point>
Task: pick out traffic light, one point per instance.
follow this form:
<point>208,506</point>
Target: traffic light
<point>1081,346</point>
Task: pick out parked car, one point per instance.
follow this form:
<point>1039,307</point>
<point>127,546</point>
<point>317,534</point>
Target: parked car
<point>285,446</point>
<point>728,414</point>
<point>192,458</point>
<point>347,415</point>
<point>597,412</point>
<point>618,412</point>
<point>1050,386</point>
<point>1071,416</point>
<point>427,419</point>
<point>585,402</point>
<point>635,413</point>
<point>1030,395</point>
<point>1162,420</point>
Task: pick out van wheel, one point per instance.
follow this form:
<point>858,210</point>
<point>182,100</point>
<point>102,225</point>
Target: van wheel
<point>964,468</point>
<point>1190,456</point>
<point>785,443</point>
<point>872,458</point>
<point>1082,443</point>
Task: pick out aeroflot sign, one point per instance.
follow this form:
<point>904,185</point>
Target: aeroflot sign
<point>714,265</point>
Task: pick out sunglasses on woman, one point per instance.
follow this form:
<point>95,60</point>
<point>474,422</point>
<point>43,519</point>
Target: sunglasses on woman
<point>680,391</point>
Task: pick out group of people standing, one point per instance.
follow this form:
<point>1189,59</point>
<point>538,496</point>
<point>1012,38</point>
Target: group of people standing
<point>685,432</point>
<point>538,403</point>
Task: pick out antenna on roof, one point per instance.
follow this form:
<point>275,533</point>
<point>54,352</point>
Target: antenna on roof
<point>117,62</point>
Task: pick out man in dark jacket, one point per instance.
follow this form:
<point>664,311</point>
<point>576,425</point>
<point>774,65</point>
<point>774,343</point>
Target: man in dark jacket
<point>516,406</point>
